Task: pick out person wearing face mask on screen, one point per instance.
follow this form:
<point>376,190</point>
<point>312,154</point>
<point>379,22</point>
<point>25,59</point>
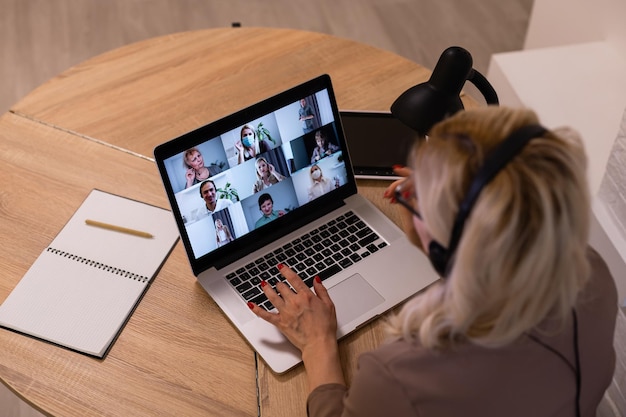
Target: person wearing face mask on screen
<point>320,185</point>
<point>250,146</point>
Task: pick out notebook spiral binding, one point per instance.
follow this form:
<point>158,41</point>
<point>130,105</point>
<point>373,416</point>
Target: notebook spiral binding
<point>108,268</point>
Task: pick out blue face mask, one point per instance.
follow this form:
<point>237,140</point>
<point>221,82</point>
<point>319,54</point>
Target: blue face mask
<point>247,141</point>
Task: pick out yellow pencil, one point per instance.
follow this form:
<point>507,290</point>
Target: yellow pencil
<point>118,228</point>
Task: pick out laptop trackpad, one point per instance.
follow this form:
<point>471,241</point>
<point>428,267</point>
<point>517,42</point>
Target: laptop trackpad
<point>353,297</point>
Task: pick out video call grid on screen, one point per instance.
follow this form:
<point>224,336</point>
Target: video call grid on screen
<point>290,153</point>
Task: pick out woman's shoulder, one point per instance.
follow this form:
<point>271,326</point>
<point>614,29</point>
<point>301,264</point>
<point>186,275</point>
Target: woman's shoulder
<point>601,285</point>
<point>403,359</point>
<point>397,354</point>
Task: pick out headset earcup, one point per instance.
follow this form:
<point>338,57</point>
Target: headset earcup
<point>438,257</point>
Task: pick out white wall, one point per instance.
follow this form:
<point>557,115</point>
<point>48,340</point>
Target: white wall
<point>563,22</point>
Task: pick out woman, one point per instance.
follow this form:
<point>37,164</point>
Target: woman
<point>249,146</point>
<point>320,185</point>
<point>222,234</point>
<point>324,148</point>
<point>266,175</point>
<point>196,171</point>
<point>522,324</point>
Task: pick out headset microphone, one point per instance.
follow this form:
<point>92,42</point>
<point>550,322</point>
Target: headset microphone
<point>441,257</point>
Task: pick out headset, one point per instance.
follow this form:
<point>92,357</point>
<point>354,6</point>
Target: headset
<point>442,258</point>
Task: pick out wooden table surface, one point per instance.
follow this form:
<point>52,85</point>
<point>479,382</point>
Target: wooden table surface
<point>95,126</point>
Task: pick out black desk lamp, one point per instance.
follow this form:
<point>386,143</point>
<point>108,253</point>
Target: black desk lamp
<point>425,104</point>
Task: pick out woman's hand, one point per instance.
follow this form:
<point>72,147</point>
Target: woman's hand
<point>309,321</point>
<point>275,173</point>
<point>304,317</point>
<point>190,175</point>
<point>400,171</point>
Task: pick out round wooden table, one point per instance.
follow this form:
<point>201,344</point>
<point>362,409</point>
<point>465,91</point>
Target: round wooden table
<point>95,126</point>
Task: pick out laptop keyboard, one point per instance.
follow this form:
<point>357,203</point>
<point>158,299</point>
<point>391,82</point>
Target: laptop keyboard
<point>322,252</point>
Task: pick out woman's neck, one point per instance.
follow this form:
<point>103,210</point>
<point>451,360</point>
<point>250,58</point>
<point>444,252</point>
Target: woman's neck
<point>202,173</point>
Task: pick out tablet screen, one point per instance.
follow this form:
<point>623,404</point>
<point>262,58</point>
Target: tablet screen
<point>377,141</point>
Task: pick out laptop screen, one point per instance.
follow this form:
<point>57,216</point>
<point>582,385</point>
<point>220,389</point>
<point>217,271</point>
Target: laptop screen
<point>238,182</point>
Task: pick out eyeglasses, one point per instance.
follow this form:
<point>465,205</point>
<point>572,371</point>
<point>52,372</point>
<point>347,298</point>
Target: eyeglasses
<point>405,195</point>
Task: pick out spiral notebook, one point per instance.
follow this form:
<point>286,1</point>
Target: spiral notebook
<point>84,286</point>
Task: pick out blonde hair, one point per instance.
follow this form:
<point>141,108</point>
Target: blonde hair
<point>252,128</point>
<point>247,126</point>
<point>186,155</point>
<point>273,179</point>
<point>522,255</point>
<point>313,168</point>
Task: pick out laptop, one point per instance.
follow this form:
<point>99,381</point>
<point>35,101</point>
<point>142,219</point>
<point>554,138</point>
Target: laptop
<point>237,225</point>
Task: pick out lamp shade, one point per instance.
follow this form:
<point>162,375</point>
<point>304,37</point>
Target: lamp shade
<point>425,104</point>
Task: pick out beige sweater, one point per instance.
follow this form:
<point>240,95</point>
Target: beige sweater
<point>523,379</point>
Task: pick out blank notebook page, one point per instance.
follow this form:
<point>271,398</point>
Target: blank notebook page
<point>82,288</point>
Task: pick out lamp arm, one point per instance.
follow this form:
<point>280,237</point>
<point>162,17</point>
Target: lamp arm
<point>476,78</point>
